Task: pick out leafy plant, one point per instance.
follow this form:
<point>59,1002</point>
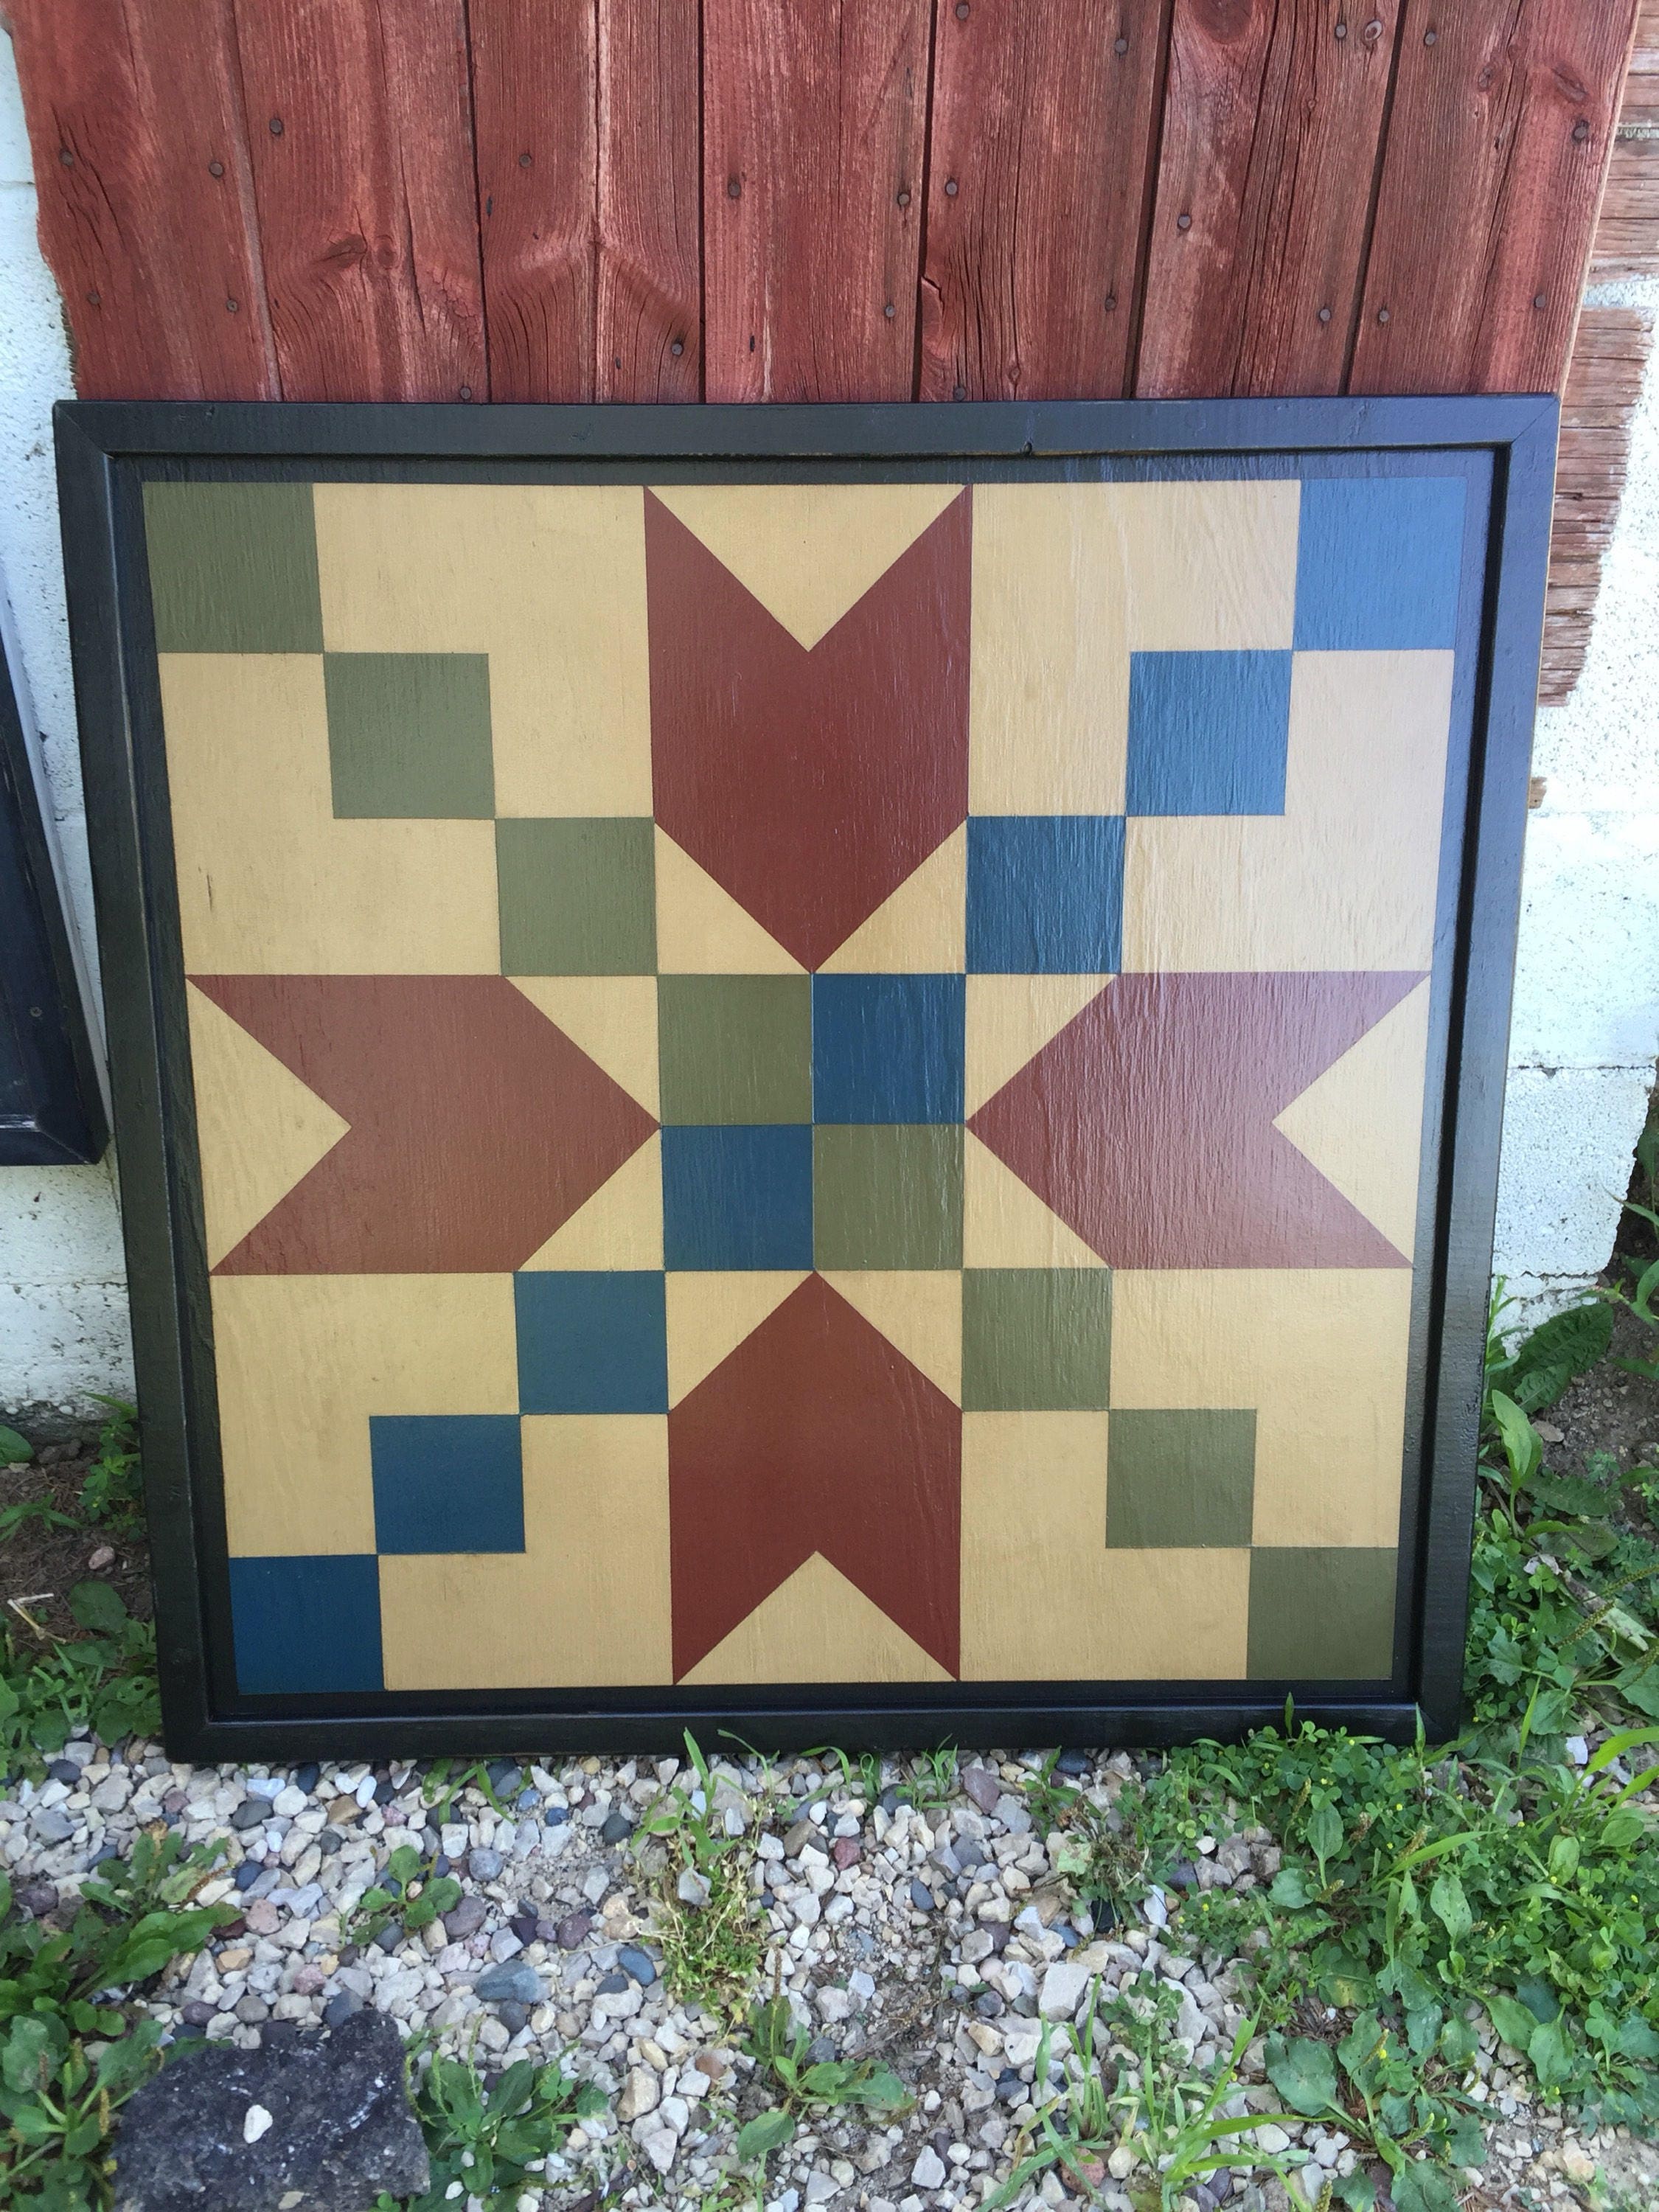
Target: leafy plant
<point>1399,2096</point>
<point>105,1680</point>
<point>33,1508</point>
<point>112,1494</point>
<point>486,2139</point>
<point>15,1450</point>
<point>408,1891</point>
<point>439,1789</point>
<point>704,1913</point>
<point>780,2049</point>
<point>57,1987</point>
<point>1173,2117</point>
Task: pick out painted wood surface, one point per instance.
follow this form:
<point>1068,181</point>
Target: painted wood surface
<point>845,199</point>
<point>1273,133</point>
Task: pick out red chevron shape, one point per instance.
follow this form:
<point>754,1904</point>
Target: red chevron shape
<point>476,1127</point>
<point>810,785</point>
<point>1147,1123</point>
<point>816,1435</point>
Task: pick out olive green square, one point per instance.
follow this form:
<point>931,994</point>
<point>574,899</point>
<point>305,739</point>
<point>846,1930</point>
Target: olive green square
<point>578,895</point>
<point>1322,1614</point>
<point>409,736</point>
<point>735,1048</point>
<point>233,567</point>
<point>887,1194</point>
<point>1184,1479</point>
<point>1036,1340</point>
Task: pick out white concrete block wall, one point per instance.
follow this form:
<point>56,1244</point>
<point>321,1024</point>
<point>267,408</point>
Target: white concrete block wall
<point>1585,1031</point>
<point>63,1293</point>
<point>1587,1001</point>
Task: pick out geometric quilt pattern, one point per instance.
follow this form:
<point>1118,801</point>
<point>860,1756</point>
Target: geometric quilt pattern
<point>808,1083</point>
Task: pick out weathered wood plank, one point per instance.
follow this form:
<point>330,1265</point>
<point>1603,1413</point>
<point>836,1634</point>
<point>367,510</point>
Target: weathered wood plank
<point>146,205</point>
<point>359,127</point>
<point>814,119</point>
<point>1044,116</point>
<point>533,72</point>
<point>1498,139</point>
<point>1627,231</point>
<point>1598,408</point>
<point>1272,126</point>
<point>649,306</point>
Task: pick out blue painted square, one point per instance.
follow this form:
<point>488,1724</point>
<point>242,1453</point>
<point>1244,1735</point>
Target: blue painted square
<point>738,1196</point>
<point>592,1343</point>
<point>888,1048</point>
<point>1208,732</point>
<point>305,1627</point>
<point>1045,894</point>
<point>447,1482</point>
<point>1378,560</point>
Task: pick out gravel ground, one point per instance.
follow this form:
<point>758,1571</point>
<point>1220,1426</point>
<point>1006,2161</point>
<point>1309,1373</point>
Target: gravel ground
<point>936,1941</point>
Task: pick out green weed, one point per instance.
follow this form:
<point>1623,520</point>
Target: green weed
<point>58,1991</point>
<point>780,2049</point>
<point>487,2139</point>
<point>105,1680</point>
<point>705,1916</point>
<point>408,1892</point>
<point>112,1494</point>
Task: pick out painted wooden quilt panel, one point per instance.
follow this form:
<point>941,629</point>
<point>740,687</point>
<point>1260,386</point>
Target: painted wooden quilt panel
<point>808,1083</point>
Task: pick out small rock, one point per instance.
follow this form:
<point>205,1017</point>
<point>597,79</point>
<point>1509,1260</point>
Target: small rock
<point>1121,2164</point>
<point>692,1887</point>
<point>640,2095</point>
<point>573,1930</point>
<point>922,1898</point>
<point>340,2008</point>
<point>251,1814</point>
<point>804,1832</point>
<point>52,1825</point>
<point>514,2017</point>
<point>845,1852</point>
<point>928,2172</point>
<point>639,1965</point>
<point>38,1898</point>
<point>1272,2139</point>
<point>512,1979</point>
<point>617,1828</point>
<point>1063,1988</point>
<point>484,1864</point>
<point>982,1787</point>
<point>256,2122</point>
<point>465,1918</point>
<point>102,1558</point>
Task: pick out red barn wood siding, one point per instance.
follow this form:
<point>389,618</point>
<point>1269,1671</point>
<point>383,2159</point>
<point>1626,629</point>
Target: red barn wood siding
<point>146,198</point>
<point>814,123</point>
<point>849,199</point>
<point>1273,131</point>
<point>1497,147</point>
<point>1044,127</point>
<point>360,125</point>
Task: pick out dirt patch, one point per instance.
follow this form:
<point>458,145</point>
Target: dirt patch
<point>40,1563</point>
<point>1608,1410</point>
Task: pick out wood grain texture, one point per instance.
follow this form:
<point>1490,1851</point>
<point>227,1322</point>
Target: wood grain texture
<point>1272,126</point>
<point>649,306</point>
<point>1498,143</point>
<point>1604,386</point>
<point>1043,126</point>
<point>814,118</point>
<point>146,204</point>
<point>534,64</point>
<point>360,128</point>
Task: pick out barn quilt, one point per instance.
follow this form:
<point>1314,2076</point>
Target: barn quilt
<point>810,1082</point>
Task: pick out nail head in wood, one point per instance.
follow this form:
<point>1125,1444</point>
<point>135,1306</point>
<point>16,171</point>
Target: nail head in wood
<point>1538,298</point>
<point>216,168</point>
<point>951,188</point>
<point>1183,222</point>
<point>66,157</point>
<point>961,392</point>
<point>1580,132</point>
<point>962,11</point>
<point>466,392</point>
<point>276,126</point>
<point>1428,37</point>
<point>1111,301</point>
<point>1120,46</point>
<point>1341,30</point>
<point>733,189</point>
<point>677,348</point>
<point>1324,314</point>
<point>230,306</point>
<point>890,311</point>
<point>1382,314</point>
<point>523,160</point>
<point>904,199</point>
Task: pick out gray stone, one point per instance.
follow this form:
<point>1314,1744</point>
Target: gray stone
<point>514,1982</point>
<point>340,2006</point>
<point>38,1898</point>
<point>484,1864</point>
<point>617,1829</point>
<point>928,2172</point>
<point>465,1918</point>
<point>920,1896</point>
<point>574,1930</point>
<point>342,2132</point>
<point>52,1825</point>
<point>982,1787</point>
<point>252,1813</point>
<point>638,1965</point>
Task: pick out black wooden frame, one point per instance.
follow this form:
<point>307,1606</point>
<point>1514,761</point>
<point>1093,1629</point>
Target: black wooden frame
<point>107,449</point>
<point>55,1115</point>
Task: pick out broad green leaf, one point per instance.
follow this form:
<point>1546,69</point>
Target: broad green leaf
<point>1358,2192</point>
<point>1564,1858</point>
<point>1325,1832</point>
<point>1450,1906</point>
<point>766,2132</point>
<point>99,1606</point>
<point>33,2125</point>
<point>19,2056</point>
<point>1290,1888</point>
<point>1303,2072</point>
<point>1420,2187</point>
<point>1551,2053</point>
<point>15,1450</point>
<point>1458,2043</point>
<point>1521,1448</point>
<point>1514,2022</point>
<point>1564,1347</point>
